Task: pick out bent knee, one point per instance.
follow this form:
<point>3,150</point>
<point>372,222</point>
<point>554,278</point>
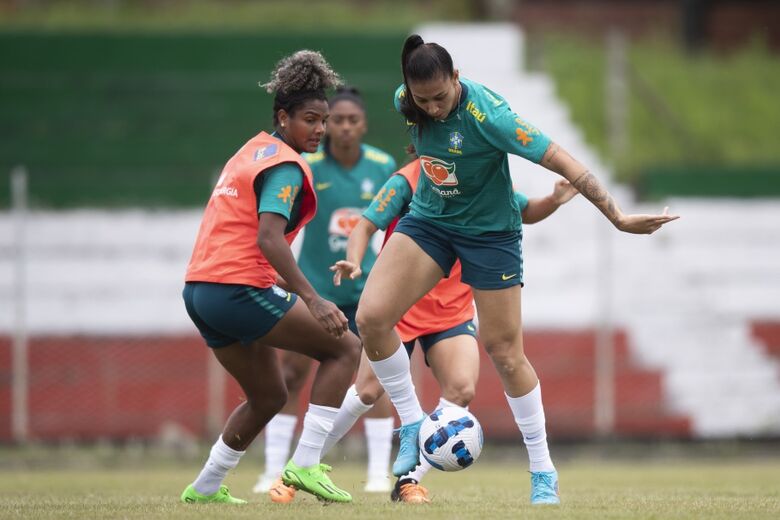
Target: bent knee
<point>372,321</point>
<point>295,377</point>
<point>508,361</point>
<point>460,393</point>
<point>369,391</point>
<point>268,401</point>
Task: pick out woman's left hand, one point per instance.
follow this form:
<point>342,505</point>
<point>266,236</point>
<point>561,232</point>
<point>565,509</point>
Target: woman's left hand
<point>644,224</point>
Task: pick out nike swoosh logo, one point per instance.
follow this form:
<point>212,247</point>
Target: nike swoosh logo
<point>322,186</point>
<point>505,277</point>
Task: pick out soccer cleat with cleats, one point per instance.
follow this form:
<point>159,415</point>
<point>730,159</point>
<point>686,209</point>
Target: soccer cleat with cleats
<point>544,488</point>
<point>409,450</point>
<point>222,496</point>
<point>409,491</point>
<point>281,494</point>
<point>314,480</point>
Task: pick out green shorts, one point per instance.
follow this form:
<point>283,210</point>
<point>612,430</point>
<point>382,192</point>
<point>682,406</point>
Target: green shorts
<point>489,261</point>
<point>467,328</point>
<point>226,313</point>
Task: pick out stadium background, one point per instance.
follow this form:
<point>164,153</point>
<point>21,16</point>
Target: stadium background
<point>120,114</point>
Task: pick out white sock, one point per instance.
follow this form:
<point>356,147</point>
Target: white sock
<point>222,459</point>
<point>317,424</point>
<point>419,472</point>
<point>529,416</point>
<point>278,436</point>
<point>379,439</point>
<point>396,379</point>
<point>443,403</point>
<point>351,410</point>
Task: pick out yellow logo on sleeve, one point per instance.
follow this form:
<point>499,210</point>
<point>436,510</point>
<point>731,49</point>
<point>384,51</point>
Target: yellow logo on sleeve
<point>285,194</point>
<point>525,131</point>
<point>383,198</point>
<point>508,277</point>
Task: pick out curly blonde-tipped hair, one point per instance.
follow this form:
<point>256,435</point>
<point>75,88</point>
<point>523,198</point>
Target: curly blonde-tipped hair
<point>303,71</point>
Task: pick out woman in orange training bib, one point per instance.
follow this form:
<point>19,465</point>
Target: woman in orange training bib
<point>263,198</point>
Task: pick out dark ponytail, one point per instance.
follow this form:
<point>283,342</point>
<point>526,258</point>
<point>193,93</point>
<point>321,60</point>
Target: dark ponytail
<point>422,61</point>
<point>347,93</point>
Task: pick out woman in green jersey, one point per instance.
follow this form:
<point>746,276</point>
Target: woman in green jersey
<point>464,209</point>
<point>347,175</point>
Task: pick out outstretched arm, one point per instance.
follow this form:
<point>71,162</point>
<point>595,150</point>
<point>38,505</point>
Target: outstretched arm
<point>558,160</point>
<point>358,242</point>
<point>542,207</point>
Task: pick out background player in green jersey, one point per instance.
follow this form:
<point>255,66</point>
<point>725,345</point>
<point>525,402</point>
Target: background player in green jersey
<point>464,209</point>
<point>347,175</point>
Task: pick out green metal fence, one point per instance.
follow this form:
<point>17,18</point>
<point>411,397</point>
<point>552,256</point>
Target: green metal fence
<point>147,119</point>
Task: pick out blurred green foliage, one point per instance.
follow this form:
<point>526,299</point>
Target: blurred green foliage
<point>702,118</point>
<point>118,119</point>
<point>221,15</point>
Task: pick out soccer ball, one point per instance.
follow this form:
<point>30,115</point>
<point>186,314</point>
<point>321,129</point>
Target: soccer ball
<point>450,438</point>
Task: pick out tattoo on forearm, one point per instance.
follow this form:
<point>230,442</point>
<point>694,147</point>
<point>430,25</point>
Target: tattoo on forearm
<point>591,188</point>
<point>580,177</point>
<point>554,150</point>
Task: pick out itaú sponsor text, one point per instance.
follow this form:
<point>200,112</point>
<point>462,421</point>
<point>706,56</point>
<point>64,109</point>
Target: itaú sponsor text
<point>446,193</point>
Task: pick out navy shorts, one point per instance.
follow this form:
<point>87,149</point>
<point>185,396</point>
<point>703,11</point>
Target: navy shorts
<point>350,311</point>
<point>489,261</point>
<point>227,313</point>
<point>466,328</point>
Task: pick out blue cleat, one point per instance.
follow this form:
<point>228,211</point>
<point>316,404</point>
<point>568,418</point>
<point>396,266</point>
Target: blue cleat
<point>409,449</point>
<point>544,488</point>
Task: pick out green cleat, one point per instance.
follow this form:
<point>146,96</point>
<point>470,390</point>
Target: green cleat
<point>314,480</point>
<point>190,496</point>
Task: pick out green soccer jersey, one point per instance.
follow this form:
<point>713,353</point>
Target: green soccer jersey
<point>342,196</point>
<point>466,186</point>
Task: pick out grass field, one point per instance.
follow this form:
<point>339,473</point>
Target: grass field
<point>489,490</point>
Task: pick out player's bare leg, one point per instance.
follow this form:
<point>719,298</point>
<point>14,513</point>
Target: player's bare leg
<point>501,333</point>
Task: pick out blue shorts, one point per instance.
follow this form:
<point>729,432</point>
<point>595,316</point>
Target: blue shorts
<point>489,261</point>
<point>466,328</point>
<point>350,311</point>
<point>227,313</point>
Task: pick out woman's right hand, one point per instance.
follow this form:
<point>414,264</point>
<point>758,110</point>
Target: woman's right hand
<point>345,269</point>
<point>329,316</point>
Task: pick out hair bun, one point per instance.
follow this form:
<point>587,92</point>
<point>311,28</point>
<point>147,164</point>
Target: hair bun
<point>302,71</point>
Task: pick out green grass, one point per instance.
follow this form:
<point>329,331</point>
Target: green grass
<point>709,109</point>
<point>597,490</point>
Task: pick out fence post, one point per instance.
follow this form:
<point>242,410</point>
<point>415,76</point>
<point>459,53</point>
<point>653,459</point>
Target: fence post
<point>616,96</point>
<point>604,378</point>
<point>616,106</point>
<point>19,363</point>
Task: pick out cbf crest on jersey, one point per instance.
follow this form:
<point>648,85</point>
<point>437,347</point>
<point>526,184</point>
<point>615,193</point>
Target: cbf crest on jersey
<point>456,143</point>
<point>264,152</point>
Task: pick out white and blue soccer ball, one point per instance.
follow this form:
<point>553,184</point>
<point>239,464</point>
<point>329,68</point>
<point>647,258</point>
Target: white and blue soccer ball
<point>450,438</point>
